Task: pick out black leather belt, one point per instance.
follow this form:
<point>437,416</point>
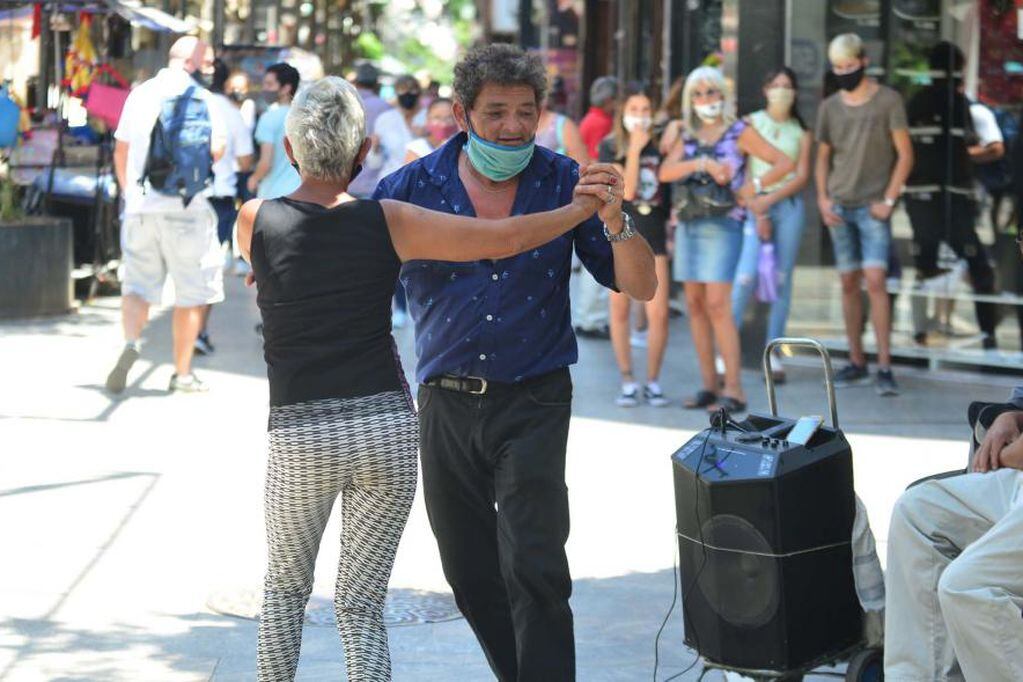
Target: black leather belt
<point>472,385</point>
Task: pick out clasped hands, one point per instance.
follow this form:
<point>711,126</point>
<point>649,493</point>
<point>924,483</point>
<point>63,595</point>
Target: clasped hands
<point>600,188</point>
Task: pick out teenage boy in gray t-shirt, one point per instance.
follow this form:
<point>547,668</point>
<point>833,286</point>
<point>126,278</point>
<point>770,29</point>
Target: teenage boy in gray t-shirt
<point>863,160</point>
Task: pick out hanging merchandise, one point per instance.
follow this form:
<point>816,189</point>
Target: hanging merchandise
<point>106,102</point>
<point>80,63</point>
<point>10,117</point>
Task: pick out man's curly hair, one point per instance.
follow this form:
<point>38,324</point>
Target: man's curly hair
<point>501,65</point>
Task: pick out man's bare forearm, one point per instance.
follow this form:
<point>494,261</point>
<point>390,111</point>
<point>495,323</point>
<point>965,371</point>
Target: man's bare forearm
<point>634,268</point>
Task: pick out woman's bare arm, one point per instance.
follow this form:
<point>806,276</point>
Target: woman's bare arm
<point>246,219</point>
<point>418,233</point>
<point>673,168</point>
<point>752,143</point>
<point>802,177</point>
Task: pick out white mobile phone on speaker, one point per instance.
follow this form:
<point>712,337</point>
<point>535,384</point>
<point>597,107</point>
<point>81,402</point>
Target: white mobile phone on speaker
<point>804,428</point>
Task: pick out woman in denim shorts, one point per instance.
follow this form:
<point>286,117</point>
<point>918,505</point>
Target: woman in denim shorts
<point>707,247</point>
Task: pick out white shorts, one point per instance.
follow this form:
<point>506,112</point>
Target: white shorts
<point>182,243</point>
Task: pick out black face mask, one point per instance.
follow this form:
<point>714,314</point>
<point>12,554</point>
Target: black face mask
<point>236,96</point>
<point>199,78</point>
<point>850,81</point>
<point>408,100</point>
<point>355,172</point>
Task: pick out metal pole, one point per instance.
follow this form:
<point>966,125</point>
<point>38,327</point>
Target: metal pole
<point>218,24</point>
<point>666,78</point>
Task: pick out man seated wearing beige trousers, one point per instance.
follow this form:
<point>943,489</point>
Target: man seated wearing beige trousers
<point>954,582</point>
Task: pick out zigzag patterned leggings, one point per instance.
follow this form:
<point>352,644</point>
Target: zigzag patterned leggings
<point>364,449</point>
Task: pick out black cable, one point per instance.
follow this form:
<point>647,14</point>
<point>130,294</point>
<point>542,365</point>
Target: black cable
<point>723,418</point>
<point>674,600</point>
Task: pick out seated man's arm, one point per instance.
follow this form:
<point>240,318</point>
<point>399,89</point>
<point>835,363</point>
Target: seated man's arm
<point>1002,444</point>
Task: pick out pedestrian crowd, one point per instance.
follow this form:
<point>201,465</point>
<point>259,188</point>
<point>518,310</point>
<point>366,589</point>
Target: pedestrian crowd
<point>469,215</point>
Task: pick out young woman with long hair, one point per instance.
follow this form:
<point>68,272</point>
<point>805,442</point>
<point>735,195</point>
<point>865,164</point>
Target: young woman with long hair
<point>632,146</point>
<point>776,214</point>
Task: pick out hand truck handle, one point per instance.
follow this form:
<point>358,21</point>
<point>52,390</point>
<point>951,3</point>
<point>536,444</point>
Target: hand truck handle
<point>829,382</point>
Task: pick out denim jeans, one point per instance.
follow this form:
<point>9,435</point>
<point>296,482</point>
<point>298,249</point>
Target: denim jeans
<point>861,241</point>
<point>788,217</point>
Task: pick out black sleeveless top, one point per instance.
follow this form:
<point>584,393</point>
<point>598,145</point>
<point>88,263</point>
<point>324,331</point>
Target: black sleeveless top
<point>325,279</point>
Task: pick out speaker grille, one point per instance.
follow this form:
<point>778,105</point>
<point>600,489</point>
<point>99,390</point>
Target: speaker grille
<point>739,584</point>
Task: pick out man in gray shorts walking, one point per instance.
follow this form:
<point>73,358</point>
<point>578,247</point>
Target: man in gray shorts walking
<point>165,234</point>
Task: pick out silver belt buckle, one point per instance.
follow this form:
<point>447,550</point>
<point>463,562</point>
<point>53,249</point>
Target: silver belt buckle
<point>483,386</point>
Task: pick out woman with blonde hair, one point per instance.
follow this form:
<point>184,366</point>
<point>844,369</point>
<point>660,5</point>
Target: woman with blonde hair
<point>708,163</point>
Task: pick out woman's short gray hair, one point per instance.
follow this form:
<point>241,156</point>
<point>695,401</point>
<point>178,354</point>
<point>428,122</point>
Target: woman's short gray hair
<point>501,65</point>
<point>326,127</point>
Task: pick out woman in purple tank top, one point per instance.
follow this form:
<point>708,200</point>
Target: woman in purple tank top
<point>713,151</point>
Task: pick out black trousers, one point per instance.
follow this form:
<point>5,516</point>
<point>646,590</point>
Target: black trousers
<point>494,482</point>
<point>927,217</point>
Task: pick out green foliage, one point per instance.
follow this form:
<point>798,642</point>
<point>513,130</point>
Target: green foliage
<point>10,210</point>
<point>369,46</point>
<point>417,55</point>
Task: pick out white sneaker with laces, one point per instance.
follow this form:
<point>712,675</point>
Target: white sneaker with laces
<point>654,396</point>
<point>629,397</point>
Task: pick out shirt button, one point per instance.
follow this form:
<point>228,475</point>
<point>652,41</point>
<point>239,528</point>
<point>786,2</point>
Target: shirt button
<point>482,356</point>
<point>494,277</point>
<point>490,318</point>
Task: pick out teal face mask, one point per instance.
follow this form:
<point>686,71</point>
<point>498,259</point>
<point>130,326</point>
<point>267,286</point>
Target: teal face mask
<point>497,161</point>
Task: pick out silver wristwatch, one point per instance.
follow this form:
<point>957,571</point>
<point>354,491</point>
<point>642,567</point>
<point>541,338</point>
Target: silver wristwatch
<point>628,230</point>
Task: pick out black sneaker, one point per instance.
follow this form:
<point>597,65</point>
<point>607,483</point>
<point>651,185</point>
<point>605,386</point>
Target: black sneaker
<point>203,345</point>
<point>602,333</point>
<point>885,383</point>
<point>118,377</point>
<point>653,395</point>
<point>851,375</point>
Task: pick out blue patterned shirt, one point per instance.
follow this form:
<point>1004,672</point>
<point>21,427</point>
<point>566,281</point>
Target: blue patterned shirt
<point>504,320</point>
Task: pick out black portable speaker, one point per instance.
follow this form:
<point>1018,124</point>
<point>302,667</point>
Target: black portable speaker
<point>764,532</point>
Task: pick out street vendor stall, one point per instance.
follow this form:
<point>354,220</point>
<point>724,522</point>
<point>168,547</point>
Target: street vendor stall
<point>62,163</point>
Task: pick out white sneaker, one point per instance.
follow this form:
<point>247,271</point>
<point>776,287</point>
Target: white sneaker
<point>654,396</point>
<point>188,383</point>
<point>637,339</point>
<point>629,396</point>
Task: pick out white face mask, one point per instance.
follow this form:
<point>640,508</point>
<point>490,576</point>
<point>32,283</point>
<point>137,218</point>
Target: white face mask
<point>781,98</point>
<point>709,113</point>
<point>632,123</point>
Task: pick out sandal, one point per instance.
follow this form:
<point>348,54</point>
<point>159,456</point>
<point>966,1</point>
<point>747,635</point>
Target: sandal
<point>702,398</point>
<point>728,404</point>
